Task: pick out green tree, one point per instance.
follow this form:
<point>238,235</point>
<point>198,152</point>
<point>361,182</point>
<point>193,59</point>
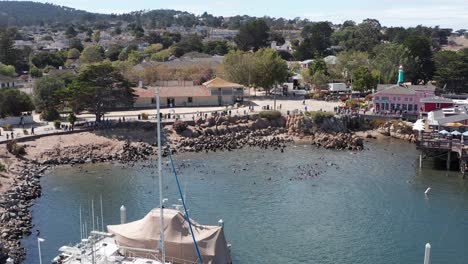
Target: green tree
<point>269,69</point>
<point>347,63</point>
<point>363,79</point>
<point>73,54</point>
<point>8,54</point>
<point>98,89</point>
<point>187,44</point>
<point>253,35</point>
<point>317,39</point>
<point>97,36</point>
<point>318,65</point>
<point>75,43</point>
<point>153,48</point>
<point>71,32</point>
<point>72,119</point>
<point>389,57</point>
<point>92,54</point>
<point>7,70</point>
<point>452,70</point>
<point>35,72</point>
<point>112,53</point>
<point>420,48</point>
<point>48,92</point>
<point>368,35</point>
<point>44,59</point>
<point>13,102</point>
<point>239,67</point>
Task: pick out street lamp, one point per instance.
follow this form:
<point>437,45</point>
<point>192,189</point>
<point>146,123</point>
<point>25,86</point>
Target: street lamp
<point>39,241</point>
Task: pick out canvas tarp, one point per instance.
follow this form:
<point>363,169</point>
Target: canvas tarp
<point>145,233</point>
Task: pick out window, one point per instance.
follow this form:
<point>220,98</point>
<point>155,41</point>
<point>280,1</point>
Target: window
<point>404,106</point>
<point>392,106</point>
<point>398,106</point>
<point>399,98</point>
<point>153,101</point>
<point>377,98</point>
<point>416,108</point>
<point>394,98</point>
<point>3,85</point>
<point>437,105</point>
<point>406,99</point>
<point>410,107</point>
<point>190,100</point>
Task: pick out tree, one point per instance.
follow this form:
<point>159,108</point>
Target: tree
<point>253,35</point>
<point>44,58</point>
<point>319,79</point>
<point>112,53</point>
<point>318,65</point>
<point>363,80</point>
<point>317,38</point>
<point>420,48</point>
<point>98,89</point>
<point>35,72</point>
<point>368,35</point>
<point>13,102</point>
<point>92,54</point>
<point>452,70</point>
<point>48,96</point>
<point>73,54</point>
<point>97,36</point>
<point>153,48</point>
<point>269,69</point>
<point>187,44</point>
<point>71,32</point>
<point>7,70</point>
<point>8,54</point>
<point>239,67</point>
<point>75,43</point>
<point>389,57</point>
<point>348,62</point>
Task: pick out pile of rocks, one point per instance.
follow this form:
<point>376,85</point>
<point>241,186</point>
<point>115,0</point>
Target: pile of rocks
<point>340,141</point>
<point>263,138</point>
<point>132,152</point>
<point>15,216</point>
<point>398,129</point>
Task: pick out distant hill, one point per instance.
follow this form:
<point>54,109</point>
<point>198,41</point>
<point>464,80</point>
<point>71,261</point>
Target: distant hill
<point>26,13</point>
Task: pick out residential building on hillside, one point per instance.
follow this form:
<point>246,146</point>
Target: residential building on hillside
<point>7,82</point>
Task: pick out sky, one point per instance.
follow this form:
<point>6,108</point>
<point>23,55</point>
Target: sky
<point>444,13</point>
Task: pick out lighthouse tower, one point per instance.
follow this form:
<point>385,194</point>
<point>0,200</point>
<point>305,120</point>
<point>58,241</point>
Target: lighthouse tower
<point>401,75</point>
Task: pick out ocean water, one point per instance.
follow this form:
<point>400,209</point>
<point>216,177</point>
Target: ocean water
<point>305,205</point>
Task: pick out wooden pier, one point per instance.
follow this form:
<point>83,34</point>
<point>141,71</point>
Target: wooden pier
<point>434,145</point>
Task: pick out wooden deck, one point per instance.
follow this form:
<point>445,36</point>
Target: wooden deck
<point>438,146</point>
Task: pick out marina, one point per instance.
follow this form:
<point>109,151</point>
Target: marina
<point>358,210</point>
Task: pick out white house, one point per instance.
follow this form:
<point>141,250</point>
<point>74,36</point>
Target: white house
<point>7,82</point>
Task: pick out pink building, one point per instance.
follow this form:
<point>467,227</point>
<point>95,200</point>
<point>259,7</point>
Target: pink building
<point>391,98</point>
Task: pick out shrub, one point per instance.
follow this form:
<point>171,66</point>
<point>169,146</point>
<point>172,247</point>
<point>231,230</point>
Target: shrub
<point>7,127</point>
<point>144,116</point>
<point>72,118</point>
<point>25,132</point>
<point>15,149</point>
<point>319,116</point>
<point>57,124</point>
<point>50,115</point>
<point>307,96</point>
<point>179,126</point>
<point>2,167</point>
<point>270,114</point>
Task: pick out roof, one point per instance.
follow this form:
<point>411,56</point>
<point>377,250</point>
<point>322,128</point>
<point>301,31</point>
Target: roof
<point>396,89</point>
<point>420,88</point>
<point>436,99</point>
<point>220,83</point>
<point>144,93</point>
<point>451,119</point>
<point>6,78</point>
<point>173,91</point>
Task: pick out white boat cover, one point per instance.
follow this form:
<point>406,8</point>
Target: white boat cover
<point>144,234</point>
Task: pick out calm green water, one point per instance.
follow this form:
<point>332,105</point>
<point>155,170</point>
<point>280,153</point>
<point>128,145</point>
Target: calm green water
<point>369,208</point>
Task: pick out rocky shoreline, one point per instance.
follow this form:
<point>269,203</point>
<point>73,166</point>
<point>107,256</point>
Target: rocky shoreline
<point>223,133</point>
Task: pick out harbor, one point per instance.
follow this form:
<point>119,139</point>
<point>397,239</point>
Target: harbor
<point>356,210</point>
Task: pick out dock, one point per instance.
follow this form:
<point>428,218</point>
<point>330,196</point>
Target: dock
<point>448,148</point>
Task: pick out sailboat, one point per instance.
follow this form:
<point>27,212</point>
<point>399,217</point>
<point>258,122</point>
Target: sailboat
<point>164,235</point>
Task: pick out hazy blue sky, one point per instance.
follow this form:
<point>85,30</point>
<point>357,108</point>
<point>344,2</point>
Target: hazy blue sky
<point>446,13</point>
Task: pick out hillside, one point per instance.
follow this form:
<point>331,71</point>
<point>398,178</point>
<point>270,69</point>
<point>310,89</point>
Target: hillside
<point>26,13</point>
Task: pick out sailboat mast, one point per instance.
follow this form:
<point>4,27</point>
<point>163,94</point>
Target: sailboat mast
<point>161,213</point>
